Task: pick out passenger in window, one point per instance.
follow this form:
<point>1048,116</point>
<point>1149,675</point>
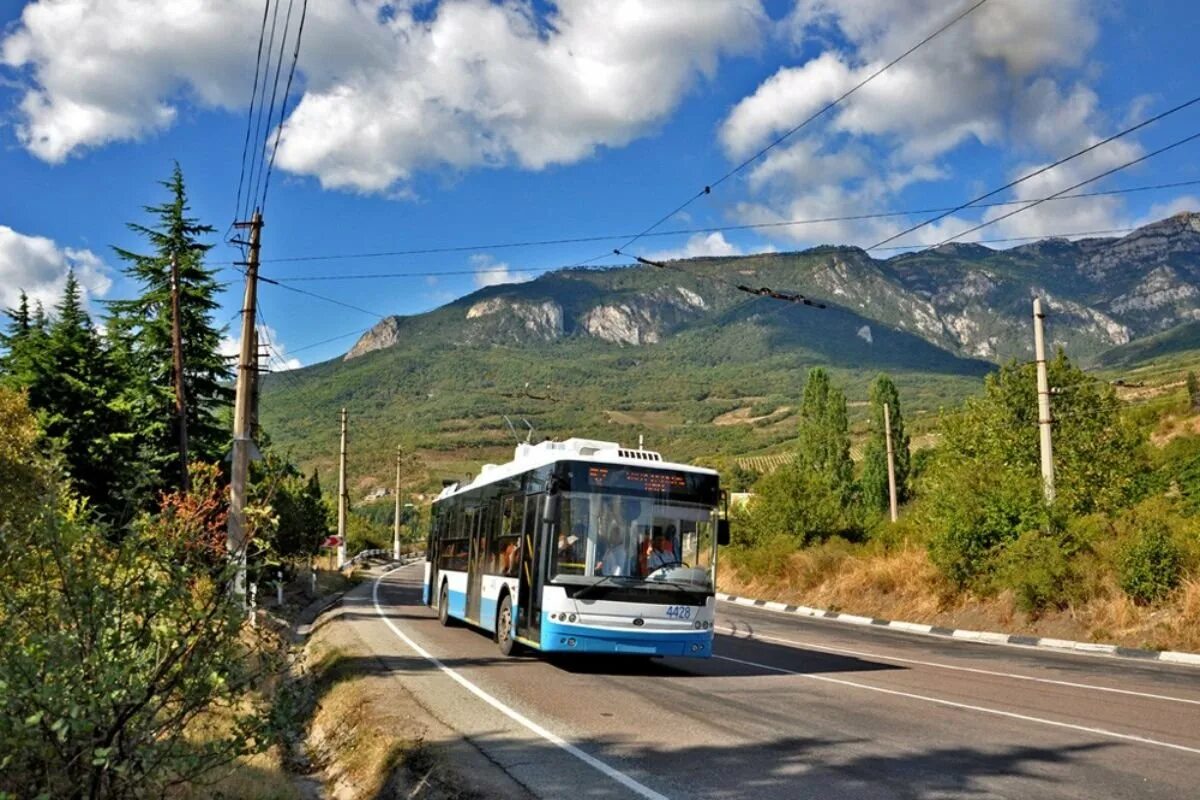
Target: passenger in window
<point>508,558</point>
<point>568,547</point>
<point>616,558</point>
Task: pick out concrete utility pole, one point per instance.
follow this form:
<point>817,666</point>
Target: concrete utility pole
<point>177,359</point>
<point>242,442</point>
<point>891,459</point>
<point>341,554</point>
<point>395,536</point>
<point>1043,392</point>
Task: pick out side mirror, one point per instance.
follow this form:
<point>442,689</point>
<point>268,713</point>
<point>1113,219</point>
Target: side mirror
<point>722,531</point>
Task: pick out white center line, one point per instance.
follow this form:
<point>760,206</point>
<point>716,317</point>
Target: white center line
<point>513,714</point>
<point>957,668</point>
<point>1129,737</point>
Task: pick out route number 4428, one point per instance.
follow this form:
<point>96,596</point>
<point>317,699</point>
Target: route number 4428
<point>679,612</point>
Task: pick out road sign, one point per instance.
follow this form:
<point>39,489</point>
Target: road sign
<point>332,541</point>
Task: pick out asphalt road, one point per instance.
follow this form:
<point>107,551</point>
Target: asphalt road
<point>791,708</point>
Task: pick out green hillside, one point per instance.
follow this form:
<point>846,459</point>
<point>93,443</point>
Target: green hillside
<point>446,400</point>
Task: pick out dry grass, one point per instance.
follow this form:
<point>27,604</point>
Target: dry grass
<point>904,585</point>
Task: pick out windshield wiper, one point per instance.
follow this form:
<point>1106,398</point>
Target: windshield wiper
<point>600,582</point>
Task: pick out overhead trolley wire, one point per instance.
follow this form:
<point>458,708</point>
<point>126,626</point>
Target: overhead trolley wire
<point>1039,171</point>
<point>1093,179</point>
<point>795,129</point>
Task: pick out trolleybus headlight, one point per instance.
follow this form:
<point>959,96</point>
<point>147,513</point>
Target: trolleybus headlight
<point>571,618</point>
<point>698,625</point>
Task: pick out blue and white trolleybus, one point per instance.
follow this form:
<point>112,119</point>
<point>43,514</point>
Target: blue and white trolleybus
<point>581,546</point>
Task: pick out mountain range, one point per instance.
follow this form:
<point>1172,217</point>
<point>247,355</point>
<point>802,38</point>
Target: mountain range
<point>680,354</point>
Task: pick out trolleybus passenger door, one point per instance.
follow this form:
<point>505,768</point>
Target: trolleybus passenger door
<point>433,548</point>
<point>528,594</point>
<point>476,561</point>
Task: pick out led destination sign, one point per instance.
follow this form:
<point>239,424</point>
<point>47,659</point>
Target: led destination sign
<point>668,484</point>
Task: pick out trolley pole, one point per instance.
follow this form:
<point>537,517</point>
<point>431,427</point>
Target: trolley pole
<point>341,553</point>
<point>1043,394</point>
<point>242,442</point>
<point>891,460</point>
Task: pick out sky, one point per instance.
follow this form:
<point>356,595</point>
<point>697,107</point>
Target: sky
<point>465,125</point>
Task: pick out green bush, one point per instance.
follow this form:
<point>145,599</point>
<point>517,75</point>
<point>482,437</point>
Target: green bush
<point>1042,570</point>
<point>1151,564</point>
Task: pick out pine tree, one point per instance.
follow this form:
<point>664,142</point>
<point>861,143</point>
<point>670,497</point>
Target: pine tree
<point>825,432</point>
<point>14,360</point>
<point>1193,391</point>
<point>146,322</point>
<point>874,481</point>
<point>71,386</point>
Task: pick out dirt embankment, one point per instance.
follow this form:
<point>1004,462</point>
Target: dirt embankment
<point>904,585</point>
<point>369,737</point>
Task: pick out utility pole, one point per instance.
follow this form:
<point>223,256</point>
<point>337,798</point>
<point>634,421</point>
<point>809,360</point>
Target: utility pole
<point>1043,392</point>
<point>242,443</point>
<point>891,459</point>
<point>341,554</point>
<point>395,536</point>
<point>177,359</point>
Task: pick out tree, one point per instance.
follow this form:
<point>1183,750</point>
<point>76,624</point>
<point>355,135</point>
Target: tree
<point>111,651</point>
<point>1193,391</point>
<point>984,485</point>
<point>145,323</point>
<point>824,432</point>
<point>874,479</point>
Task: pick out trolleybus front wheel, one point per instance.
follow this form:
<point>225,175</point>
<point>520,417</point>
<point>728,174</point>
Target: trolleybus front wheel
<point>444,608</point>
<point>504,626</point>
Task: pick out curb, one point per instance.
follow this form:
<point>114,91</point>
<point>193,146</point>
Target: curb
<point>985,637</point>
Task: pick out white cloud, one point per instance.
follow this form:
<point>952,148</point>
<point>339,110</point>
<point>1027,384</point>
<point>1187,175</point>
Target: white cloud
<point>490,272</point>
<point>1009,75</point>
<point>387,92</point>
<point>39,266</point>
<point>268,340</point>
<point>700,244</point>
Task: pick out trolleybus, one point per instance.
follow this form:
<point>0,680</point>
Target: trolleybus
<point>580,546</point>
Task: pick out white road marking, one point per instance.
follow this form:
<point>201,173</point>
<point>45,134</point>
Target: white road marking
<point>1129,737</point>
<point>958,668</point>
<point>513,714</point>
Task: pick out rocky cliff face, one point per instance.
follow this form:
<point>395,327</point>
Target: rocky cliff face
<point>384,334</point>
<point>968,299</point>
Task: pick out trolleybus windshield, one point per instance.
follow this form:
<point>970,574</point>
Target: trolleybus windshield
<point>636,525</point>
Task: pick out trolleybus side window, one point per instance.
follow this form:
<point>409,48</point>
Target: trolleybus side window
<point>506,544</point>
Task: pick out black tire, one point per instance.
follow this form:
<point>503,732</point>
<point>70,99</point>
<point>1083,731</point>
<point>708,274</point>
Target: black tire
<point>505,638</point>
<point>444,608</point>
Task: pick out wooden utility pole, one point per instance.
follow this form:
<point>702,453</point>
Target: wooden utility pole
<point>395,535</point>
<point>242,442</point>
<point>177,363</point>
<point>891,460</point>
<point>341,553</point>
<point>1043,393</point>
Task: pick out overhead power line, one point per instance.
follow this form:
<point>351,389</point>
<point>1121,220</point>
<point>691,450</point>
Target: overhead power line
<point>712,229</point>
<point>351,276</point>
<point>250,113</point>
<point>1039,171</point>
<point>283,104</point>
<point>287,24</point>
<point>256,161</point>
